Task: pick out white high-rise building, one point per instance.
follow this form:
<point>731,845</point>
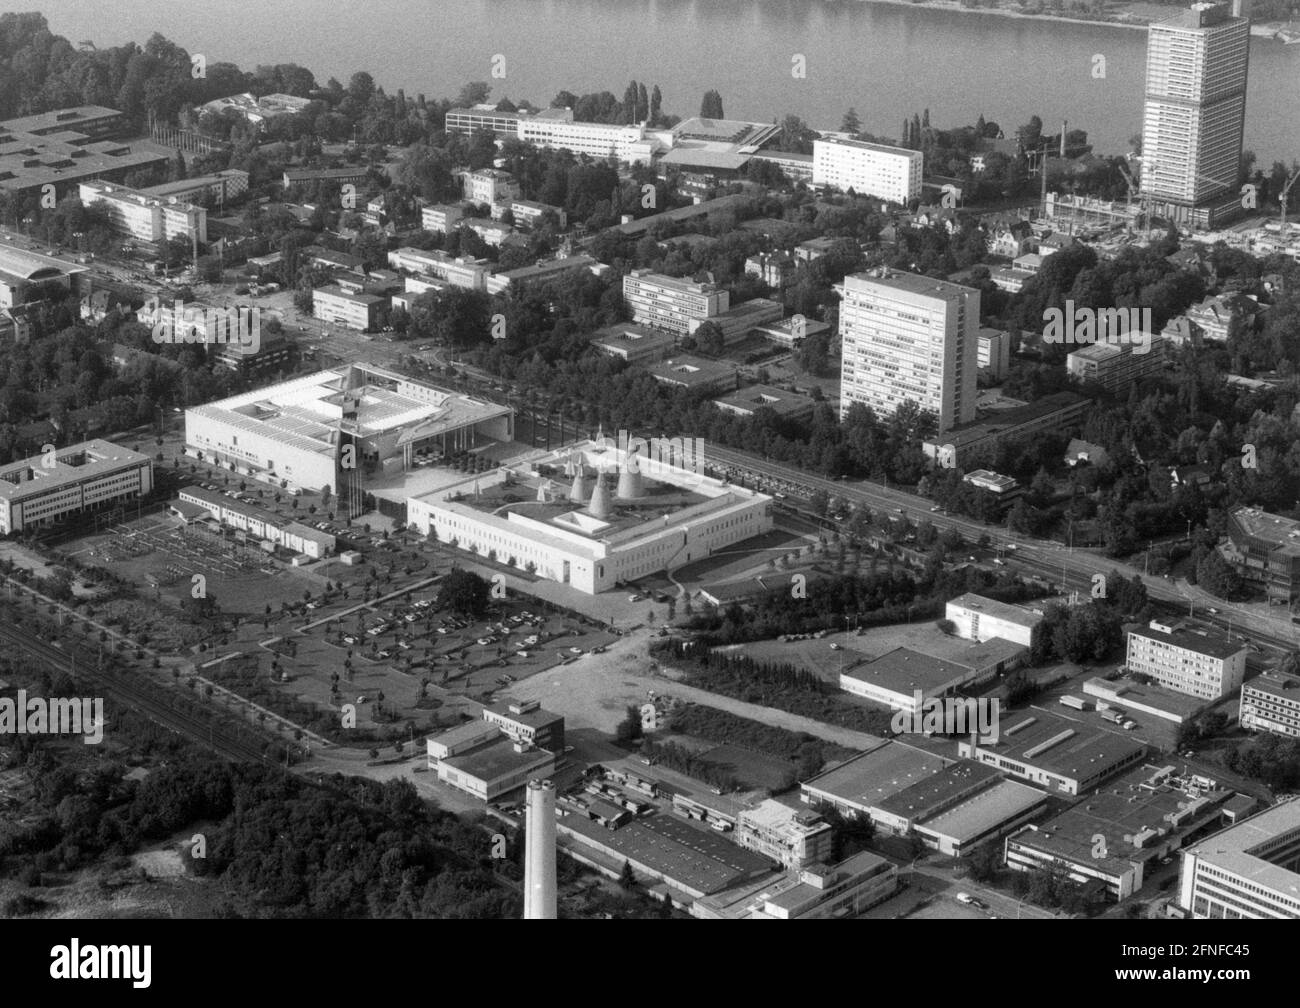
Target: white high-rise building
<point>909,338</point>
<point>1195,112</point>
<point>892,173</point>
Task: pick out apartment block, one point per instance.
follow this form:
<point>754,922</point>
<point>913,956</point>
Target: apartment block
<point>458,271</point>
<point>908,338</point>
<point>1199,664</point>
<point>488,185</point>
<point>890,173</point>
<point>993,352</point>
<point>442,217</point>
<point>1271,702</point>
<point>139,215</point>
<point>1115,367</point>
<point>671,304</point>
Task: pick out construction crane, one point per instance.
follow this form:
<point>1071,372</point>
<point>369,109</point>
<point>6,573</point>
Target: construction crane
<point>1132,191</point>
<point>1282,199</point>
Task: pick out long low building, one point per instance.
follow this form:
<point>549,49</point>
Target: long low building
<point>147,217</point>
<point>265,525</point>
<point>85,477</point>
<point>24,273</point>
<point>624,515</point>
<point>819,892</point>
<point>1059,754</point>
<point>978,618</point>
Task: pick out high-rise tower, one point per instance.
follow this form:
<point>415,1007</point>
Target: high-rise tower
<point>1195,114</point>
<point>909,338</point>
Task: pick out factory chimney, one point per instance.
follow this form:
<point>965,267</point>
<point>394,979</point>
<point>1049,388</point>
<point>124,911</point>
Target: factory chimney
<point>629,478</point>
<point>600,505</point>
<point>539,852</point>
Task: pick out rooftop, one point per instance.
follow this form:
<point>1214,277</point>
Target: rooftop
<point>535,718</point>
<point>868,780</point>
<point>1005,611</point>
<point>981,813</point>
<point>1058,745</point>
<point>1268,527</point>
<point>87,460</point>
<point>756,397</point>
<point>903,670</point>
<point>1199,642</point>
<point>911,283</point>
<point>497,759</point>
<point>1239,848</point>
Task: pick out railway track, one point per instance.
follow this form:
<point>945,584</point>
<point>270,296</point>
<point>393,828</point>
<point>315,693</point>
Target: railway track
<point>122,689</point>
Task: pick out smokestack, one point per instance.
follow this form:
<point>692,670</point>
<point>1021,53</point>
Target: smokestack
<point>1241,9</point>
<point>629,479</point>
<point>601,505</point>
<point>539,852</point>
<point>1065,125</point>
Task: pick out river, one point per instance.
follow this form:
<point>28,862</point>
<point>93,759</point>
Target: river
<point>887,61</point>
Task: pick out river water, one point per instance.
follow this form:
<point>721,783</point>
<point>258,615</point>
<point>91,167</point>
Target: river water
<point>885,60</point>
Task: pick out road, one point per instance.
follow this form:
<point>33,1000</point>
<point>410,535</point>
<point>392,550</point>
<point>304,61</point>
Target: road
<point>1075,569</point>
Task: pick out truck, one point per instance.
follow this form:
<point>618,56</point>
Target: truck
<point>970,900</point>
<point>1114,717</point>
<point>1073,701</point>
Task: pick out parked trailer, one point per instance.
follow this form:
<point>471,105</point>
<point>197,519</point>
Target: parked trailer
<point>1076,702</point>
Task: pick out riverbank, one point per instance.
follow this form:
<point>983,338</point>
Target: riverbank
<point>1125,19</point>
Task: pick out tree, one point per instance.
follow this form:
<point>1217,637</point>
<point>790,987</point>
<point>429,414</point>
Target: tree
<point>711,105</point>
<point>464,591</point>
<point>851,123</point>
<point>627,877</point>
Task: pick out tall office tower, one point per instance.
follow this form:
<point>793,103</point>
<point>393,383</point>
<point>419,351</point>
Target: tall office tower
<point>1195,113</point>
<point>539,852</point>
<point>909,338</point>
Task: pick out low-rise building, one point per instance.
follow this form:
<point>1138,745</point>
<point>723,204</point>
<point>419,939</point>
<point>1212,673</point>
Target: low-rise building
<point>260,523</point>
<point>634,343</point>
<point>442,217</point>
<point>488,185</point>
<point>978,618</point>
<point>737,323</point>
<point>818,892</point>
<point>671,304</point>
<point>460,271</point>
<point>1265,550</point>
<point>752,398</point>
<point>342,307</point>
<point>793,837</point>
<point>792,331</point>
<point>1117,837</point>
<point>695,374</point>
<point>903,679</point>
<point>1004,489</point>
<point>1197,663</point>
<point>516,281</point>
<point>776,269</point>
<point>136,214</point>
<point>86,477</point>
<point>525,720</point>
<point>976,443</point>
<point>1059,754</point>
<point>336,176</point>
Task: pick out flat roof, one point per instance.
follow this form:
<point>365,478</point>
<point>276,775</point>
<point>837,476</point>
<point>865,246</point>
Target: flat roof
<point>334,290</point>
<point>704,157</point>
<point>1129,814</point>
<point>696,857</point>
<point>1268,527</point>
<point>929,794</point>
<point>686,370</point>
<point>903,670</point>
<point>1203,643</point>
<point>534,718</point>
<point>984,812</point>
<point>62,118</point>
<point>865,145</point>
<point>496,759</point>
<point>1126,691</point>
<point>1234,849</point>
<point>1058,745</point>
<point>73,464</point>
<point>1276,684</point>
<point>33,266</point>
<point>1005,611</point>
<point>870,779</point>
<point>912,283</point>
<point>755,397</point>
